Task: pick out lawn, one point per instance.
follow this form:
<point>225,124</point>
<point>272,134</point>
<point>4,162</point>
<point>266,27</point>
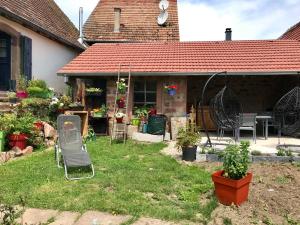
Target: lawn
<point>134,179</point>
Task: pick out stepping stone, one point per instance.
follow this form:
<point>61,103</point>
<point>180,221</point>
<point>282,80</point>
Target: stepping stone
<point>102,218</point>
<point>148,221</point>
<point>38,216</point>
<point>65,218</point>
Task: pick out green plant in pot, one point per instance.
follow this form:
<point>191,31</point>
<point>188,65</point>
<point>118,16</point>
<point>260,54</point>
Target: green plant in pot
<point>101,112</point>
<point>232,183</point>
<point>141,113</point>
<point>22,87</point>
<point>12,96</point>
<point>186,142</point>
<point>20,129</point>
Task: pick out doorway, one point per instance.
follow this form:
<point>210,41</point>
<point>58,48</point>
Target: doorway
<point>5,61</point>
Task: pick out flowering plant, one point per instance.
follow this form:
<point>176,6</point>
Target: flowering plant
<point>171,87</point>
<point>120,99</point>
<point>102,110</point>
<point>121,86</point>
<point>119,115</point>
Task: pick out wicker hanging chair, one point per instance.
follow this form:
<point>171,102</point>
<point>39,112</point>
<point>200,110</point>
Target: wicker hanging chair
<point>287,113</point>
<point>225,107</point>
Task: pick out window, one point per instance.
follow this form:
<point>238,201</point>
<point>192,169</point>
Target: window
<point>117,19</point>
<point>3,50</point>
<point>144,93</point>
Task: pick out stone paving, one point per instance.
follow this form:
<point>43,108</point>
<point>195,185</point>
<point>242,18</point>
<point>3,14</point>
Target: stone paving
<point>33,216</point>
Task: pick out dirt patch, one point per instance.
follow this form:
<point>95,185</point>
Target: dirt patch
<point>274,197</point>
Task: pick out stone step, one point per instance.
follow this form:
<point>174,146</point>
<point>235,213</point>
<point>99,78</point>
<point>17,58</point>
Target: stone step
<point>3,94</point>
<point>4,99</point>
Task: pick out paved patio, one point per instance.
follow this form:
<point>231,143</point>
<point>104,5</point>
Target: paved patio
<point>264,145</point>
<point>33,216</point>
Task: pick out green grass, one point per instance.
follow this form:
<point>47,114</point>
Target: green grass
<point>134,179</point>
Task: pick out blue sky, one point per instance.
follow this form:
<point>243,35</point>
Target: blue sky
<point>207,19</point>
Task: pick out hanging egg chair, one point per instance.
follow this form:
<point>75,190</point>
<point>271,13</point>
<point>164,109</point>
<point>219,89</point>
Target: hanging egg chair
<point>287,113</point>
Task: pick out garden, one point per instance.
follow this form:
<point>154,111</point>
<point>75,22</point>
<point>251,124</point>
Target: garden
<point>135,178</point>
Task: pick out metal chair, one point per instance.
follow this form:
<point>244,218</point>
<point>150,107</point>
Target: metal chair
<point>246,121</point>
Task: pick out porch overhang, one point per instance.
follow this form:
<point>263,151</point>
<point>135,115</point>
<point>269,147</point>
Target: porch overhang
<point>110,74</point>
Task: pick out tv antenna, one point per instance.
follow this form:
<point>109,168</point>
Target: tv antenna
<point>164,15</point>
<point>164,5</point>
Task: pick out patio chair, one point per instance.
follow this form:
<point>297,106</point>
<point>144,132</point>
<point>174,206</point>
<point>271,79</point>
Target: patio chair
<point>70,147</point>
<point>246,121</point>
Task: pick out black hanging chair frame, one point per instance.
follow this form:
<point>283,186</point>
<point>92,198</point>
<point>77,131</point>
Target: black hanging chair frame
<point>219,111</point>
<point>287,115</point>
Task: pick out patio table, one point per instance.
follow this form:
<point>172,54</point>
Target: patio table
<point>265,119</point>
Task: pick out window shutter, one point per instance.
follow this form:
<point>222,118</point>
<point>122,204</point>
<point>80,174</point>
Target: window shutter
<point>26,57</point>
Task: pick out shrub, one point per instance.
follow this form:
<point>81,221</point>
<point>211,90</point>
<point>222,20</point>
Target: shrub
<point>187,138</point>
<point>22,124</point>
<point>38,83</point>
<point>280,152</point>
<point>22,83</point>
<point>37,92</point>
<point>36,106</point>
<point>236,160</point>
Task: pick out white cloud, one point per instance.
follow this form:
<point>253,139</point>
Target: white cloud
<point>71,8</point>
<point>207,19</point>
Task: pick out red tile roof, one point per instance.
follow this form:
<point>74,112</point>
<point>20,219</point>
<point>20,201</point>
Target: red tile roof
<point>138,22</point>
<point>42,16</point>
<point>189,57</point>
<point>292,33</point>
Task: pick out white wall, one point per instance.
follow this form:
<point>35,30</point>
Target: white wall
<point>48,56</point>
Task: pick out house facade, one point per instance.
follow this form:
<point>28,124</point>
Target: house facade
<point>259,72</point>
<point>36,39</point>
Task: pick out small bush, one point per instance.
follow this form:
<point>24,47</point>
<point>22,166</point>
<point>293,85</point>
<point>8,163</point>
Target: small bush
<point>280,152</point>
<point>236,160</point>
<point>37,106</point>
<point>187,138</point>
<point>38,83</point>
<point>37,92</point>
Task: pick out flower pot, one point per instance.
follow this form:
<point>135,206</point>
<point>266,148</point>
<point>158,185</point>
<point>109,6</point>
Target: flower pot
<point>121,104</point>
<point>39,125</point>
<point>22,94</point>
<point>189,153</point>
<point>230,191</point>
<point>135,121</point>
<point>18,140</point>
<point>172,92</point>
<point>119,120</point>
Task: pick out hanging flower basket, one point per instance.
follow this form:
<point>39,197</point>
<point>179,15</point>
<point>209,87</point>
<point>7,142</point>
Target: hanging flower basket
<point>171,89</point>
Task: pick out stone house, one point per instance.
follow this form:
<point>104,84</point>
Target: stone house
<point>36,39</point>
<point>259,71</point>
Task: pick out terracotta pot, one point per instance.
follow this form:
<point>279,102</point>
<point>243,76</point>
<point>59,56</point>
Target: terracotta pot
<point>230,191</point>
<point>39,125</point>
<point>22,94</point>
<point>18,140</point>
<point>119,120</point>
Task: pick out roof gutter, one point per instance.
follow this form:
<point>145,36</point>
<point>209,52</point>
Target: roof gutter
<point>101,74</point>
<point>10,15</point>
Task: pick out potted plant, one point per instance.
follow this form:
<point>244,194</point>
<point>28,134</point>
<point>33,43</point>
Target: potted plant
<point>121,86</point>
<point>141,113</point>
<point>21,87</point>
<point>171,89</point>
<point>121,102</point>
<point>93,91</point>
<point>232,183</point>
<point>119,117</point>
<point>12,96</point>
<point>101,112</point>
<point>186,142</point>
<point>76,106</point>
<point>20,129</point>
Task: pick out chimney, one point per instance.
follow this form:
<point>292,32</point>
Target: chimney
<point>228,34</point>
<point>80,25</point>
<point>117,19</point>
